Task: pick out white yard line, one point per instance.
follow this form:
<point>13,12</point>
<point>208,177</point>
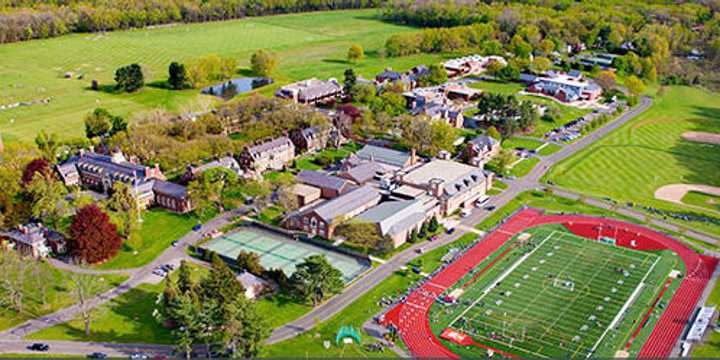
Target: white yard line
<point>499,279</point>
<point>622,310</point>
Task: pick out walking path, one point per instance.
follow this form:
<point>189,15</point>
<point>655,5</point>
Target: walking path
<point>137,277</point>
<point>334,305</point>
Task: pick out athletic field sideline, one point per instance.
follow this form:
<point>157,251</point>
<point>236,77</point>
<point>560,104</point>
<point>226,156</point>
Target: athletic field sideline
<point>278,252</point>
<point>552,294</point>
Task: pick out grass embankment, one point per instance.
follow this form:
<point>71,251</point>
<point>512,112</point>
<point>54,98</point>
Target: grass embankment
<point>59,295</point>
<point>630,163</point>
<point>307,45</point>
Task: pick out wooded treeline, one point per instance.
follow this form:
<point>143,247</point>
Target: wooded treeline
<point>25,19</point>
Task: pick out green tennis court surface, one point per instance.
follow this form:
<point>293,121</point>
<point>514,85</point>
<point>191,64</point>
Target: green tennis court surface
<point>278,252</point>
<point>555,294</point>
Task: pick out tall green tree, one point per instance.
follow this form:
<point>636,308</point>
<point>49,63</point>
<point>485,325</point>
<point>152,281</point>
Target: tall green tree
<point>98,123</point>
<point>48,145</point>
<point>221,283</point>
<point>178,76</point>
<point>48,198</point>
<point>263,63</point>
<point>355,53</point>
<point>126,209</point>
<point>315,279</point>
<point>349,82</point>
<point>129,78</point>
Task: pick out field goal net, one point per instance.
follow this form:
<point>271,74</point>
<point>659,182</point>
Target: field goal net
<point>564,284</point>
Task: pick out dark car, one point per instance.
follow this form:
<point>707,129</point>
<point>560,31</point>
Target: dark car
<point>97,355</point>
<point>197,227</point>
<point>490,208</point>
<point>450,231</point>
<point>39,347</point>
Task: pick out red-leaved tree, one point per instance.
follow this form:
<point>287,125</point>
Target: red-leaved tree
<point>93,238</point>
<point>36,166</point>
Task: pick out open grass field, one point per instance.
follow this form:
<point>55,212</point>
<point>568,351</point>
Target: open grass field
<point>520,142</point>
<point>307,45</point>
<point>555,295</point>
<point>157,231</point>
<point>59,295</point>
<point>629,164</point>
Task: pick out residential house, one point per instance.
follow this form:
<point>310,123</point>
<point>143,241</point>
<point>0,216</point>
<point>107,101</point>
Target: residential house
<point>311,91</point>
<point>270,155</point>
<point>455,185</point>
<point>398,218</point>
<point>322,219</point>
<point>100,172</point>
<point>481,149</point>
<point>33,240</point>
<point>330,186</point>
<point>445,111</point>
<point>566,88</point>
<point>227,162</point>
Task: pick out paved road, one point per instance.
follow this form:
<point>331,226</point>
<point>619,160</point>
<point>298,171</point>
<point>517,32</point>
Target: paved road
<point>137,278</point>
<point>377,274</point>
<point>337,303</point>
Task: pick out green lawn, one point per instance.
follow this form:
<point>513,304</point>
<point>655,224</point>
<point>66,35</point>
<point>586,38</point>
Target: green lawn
<point>517,142</point>
<point>703,200</point>
<point>158,230</point>
<point>549,149</point>
<point>567,114</point>
<point>307,45</point>
<point>59,295</point>
<point>500,87</point>
<point>128,318</point>
<point>524,167</point>
<point>629,164</point>
<point>309,162</point>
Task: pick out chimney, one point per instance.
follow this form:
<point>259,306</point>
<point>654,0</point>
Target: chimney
<point>436,187</point>
<point>413,157</point>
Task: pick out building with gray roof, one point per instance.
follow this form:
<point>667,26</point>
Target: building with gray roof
<point>310,91</point>
<point>322,219</point>
<point>391,157</point>
<point>273,154</point>
<point>397,218</point>
<point>100,172</point>
<point>330,186</point>
<point>454,184</point>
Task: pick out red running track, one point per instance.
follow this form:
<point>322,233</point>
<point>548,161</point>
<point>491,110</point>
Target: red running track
<point>411,317</point>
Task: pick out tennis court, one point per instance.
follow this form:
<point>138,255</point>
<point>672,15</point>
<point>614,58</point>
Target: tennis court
<point>279,252</point>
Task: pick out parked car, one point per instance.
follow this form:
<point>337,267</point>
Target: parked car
<point>197,227</point>
<point>465,213</point>
<point>97,355</point>
<point>490,208</point>
<point>175,243</point>
<point>450,231</point>
<point>138,356</point>
<point>39,347</point>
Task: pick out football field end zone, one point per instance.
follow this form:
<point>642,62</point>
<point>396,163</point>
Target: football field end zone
<point>414,328</point>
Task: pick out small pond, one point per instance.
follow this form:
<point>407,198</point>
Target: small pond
<point>230,88</point>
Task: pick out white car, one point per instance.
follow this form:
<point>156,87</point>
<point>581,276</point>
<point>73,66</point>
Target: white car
<point>465,213</point>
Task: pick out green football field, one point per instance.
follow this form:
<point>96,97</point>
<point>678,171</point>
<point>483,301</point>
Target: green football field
<point>556,295</point>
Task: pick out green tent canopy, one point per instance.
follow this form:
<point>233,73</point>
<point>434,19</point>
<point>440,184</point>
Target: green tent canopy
<point>345,332</point>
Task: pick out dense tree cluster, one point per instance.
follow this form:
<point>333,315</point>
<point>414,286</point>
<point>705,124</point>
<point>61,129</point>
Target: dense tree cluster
<point>507,113</point>
<point>24,19</point>
<point>212,310</point>
<point>649,33</point>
